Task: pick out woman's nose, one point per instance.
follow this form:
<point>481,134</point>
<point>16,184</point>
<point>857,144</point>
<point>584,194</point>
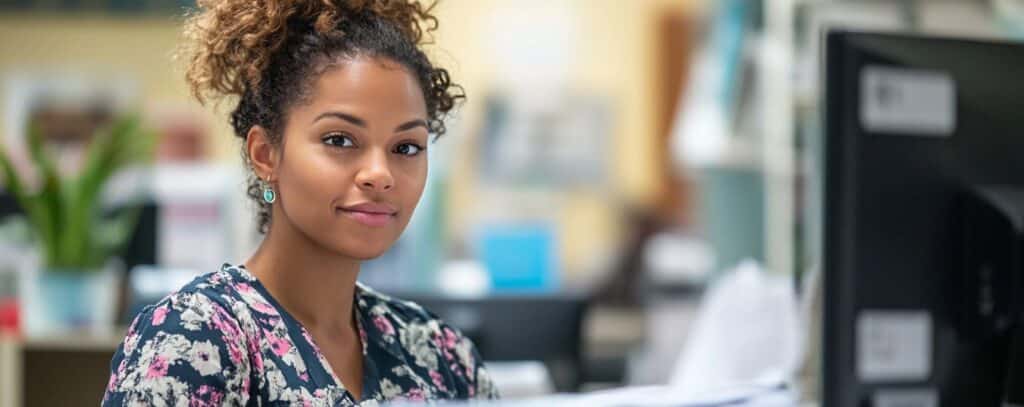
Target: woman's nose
<point>375,175</point>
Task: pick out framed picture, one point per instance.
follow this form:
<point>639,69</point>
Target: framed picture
<point>546,139</point>
<point>67,107</point>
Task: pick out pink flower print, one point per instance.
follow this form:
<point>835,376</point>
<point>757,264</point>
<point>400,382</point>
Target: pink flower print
<point>112,382</point>
<point>415,394</point>
<point>304,377</point>
<point>158,368</point>
<point>280,346</point>
<point>223,322</point>
<point>438,379</point>
<point>257,357</point>
<point>263,307</point>
<point>206,396</point>
<point>215,397</point>
<point>442,345</point>
<point>159,315</point>
<point>456,369</point>
<point>383,325</point>
<point>235,353</point>
<point>451,339</point>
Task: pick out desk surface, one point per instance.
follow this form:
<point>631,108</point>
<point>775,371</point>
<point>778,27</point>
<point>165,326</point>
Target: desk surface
<point>653,396</point>
<point>608,333</point>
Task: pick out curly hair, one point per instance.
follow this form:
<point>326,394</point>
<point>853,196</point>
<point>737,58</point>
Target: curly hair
<point>268,53</point>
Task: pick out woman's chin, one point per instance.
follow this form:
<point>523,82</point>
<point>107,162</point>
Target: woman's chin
<point>363,252</point>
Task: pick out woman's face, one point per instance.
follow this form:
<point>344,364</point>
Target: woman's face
<point>354,162</point>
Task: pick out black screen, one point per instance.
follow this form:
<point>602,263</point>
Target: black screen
<point>890,211</point>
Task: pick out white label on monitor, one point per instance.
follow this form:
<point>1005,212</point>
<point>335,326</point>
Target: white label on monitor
<point>926,397</point>
<point>894,346</point>
<point>907,101</point>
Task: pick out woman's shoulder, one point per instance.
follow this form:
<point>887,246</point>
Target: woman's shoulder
<point>219,301</point>
<point>222,287</point>
<point>439,348</point>
<point>189,344</point>
<point>407,320</point>
<point>405,311</point>
<point>198,302</point>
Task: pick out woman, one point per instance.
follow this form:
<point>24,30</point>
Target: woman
<point>336,104</point>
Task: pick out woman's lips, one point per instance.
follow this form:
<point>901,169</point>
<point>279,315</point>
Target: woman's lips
<point>369,219</point>
<point>370,214</point>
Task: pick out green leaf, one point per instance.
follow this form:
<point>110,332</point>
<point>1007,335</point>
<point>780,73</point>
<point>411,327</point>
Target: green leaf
<point>122,144</point>
<point>83,194</point>
<point>16,187</point>
<point>112,235</point>
<point>49,198</point>
<point>11,178</point>
<point>65,214</point>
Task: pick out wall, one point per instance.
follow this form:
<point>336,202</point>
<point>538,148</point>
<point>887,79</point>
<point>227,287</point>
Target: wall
<point>613,55</point>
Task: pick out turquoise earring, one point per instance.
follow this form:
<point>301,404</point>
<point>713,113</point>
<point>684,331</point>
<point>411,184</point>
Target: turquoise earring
<point>269,196</point>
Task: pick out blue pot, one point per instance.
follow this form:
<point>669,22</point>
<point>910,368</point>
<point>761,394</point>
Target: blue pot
<point>69,301</point>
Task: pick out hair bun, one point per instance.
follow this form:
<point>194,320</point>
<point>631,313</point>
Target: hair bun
<point>411,17</point>
<point>229,43</point>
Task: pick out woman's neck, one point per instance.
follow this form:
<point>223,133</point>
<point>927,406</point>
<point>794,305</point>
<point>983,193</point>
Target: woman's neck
<point>312,283</point>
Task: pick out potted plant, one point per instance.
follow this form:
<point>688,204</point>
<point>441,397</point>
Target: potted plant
<point>76,283</point>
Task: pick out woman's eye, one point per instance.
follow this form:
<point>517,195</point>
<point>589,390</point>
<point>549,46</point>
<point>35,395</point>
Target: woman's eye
<point>408,149</point>
<point>338,140</point>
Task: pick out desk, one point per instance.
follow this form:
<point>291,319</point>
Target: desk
<point>650,396</point>
<point>29,368</point>
<point>60,370</point>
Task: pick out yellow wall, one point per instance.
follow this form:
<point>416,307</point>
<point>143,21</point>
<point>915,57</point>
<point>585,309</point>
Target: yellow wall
<point>138,48</point>
<point>615,59</point>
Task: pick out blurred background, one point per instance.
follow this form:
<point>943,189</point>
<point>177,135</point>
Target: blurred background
<point>615,161</point>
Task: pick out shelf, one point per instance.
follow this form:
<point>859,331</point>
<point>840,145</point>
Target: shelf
<point>77,363</point>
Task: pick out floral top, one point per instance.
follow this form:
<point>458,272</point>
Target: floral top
<point>223,340</point>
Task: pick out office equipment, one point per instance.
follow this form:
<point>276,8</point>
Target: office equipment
<point>8,205</point>
<point>923,228</point>
<point>546,328</point>
<point>520,257</point>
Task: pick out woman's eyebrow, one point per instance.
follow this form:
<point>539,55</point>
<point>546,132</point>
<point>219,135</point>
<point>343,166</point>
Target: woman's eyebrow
<point>359,122</point>
<point>411,125</point>
<point>343,116</point>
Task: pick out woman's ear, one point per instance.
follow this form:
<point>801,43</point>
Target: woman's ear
<point>262,154</point>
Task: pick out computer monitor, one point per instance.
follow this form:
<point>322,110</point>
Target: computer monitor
<point>924,173</point>
<point>519,327</point>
